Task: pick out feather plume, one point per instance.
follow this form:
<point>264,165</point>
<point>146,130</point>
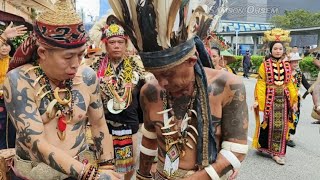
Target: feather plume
<point>162,20</point>
<point>133,7</point>
<point>117,9</point>
<point>147,23</point>
<point>126,14</point>
<point>199,23</point>
<point>174,8</point>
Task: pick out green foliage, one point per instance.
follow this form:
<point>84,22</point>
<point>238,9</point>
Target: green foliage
<point>18,40</point>
<point>296,19</point>
<point>255,60</point>
<point>306,65</point>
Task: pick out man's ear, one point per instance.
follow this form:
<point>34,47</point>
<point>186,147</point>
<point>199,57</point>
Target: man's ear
<point>192,60</point>
<point>42,52</point>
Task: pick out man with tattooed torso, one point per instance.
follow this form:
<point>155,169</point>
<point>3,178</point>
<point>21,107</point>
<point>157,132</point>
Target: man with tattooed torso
<point>190,144</point>
<point>50,97</point>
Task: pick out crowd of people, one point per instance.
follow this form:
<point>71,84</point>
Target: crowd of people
<point>72,109</point>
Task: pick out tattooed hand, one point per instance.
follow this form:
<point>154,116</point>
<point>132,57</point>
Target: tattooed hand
<point>109,175</point>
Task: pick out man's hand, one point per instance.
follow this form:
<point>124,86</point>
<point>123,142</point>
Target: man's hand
<point>11,32</point>
<point>110,175</point>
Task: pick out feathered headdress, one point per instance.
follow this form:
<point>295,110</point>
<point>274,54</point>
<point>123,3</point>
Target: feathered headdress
<point>162,30</point>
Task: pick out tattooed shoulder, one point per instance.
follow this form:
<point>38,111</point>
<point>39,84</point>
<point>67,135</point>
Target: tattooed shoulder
<point>150,92</point>
<point>89,76</point>
<point>217,86</point>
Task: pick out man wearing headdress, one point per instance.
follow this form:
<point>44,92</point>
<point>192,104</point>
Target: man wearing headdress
<point>121,78</point>
<point>195,118</point>
<point>50,97</point>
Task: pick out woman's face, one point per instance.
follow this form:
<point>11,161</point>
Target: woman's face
<point>277,50</point>
<point>215,57</point>
<point>5,49</point>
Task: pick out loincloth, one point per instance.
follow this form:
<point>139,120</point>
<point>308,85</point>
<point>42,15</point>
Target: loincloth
<point>181,173</point>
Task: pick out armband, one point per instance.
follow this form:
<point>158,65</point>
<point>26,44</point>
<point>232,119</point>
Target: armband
<point>234,161</point>
<point>235,147</point>
<point>149,152</point>
<point>148,134</point>
<point>212,173</point>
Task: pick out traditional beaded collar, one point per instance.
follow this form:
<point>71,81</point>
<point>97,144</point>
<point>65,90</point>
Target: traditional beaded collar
<point>118,88</point>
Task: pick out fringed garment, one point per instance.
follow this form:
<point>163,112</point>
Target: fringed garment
<point>275,94</point>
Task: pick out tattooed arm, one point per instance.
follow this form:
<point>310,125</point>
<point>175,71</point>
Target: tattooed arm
<point>148,95</point>
<point>99,129</point>
<point>234,123</point>
<point>20,103</point>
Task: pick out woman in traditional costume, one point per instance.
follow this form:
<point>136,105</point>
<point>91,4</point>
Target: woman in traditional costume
<point>275,98</point>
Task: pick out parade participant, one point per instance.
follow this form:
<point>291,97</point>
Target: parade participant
<point>246,64</point>
<point>121,79</point>
<point>216,58</point>
<point>49,98</point>
<point>298,79</point>
<point>7,131</point>
<point>276,97</point>
<point>187,110</point>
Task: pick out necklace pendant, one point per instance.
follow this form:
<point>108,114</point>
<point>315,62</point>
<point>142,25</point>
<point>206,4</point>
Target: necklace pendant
<point>61,135</point>
<point>62,125</point>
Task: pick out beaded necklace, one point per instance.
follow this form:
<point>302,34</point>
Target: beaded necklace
<point>64,106</point>
<point>118,88</point>
<point>175,135</point>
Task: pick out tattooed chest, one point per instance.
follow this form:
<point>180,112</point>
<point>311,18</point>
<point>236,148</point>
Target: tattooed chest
<point>79,107</point>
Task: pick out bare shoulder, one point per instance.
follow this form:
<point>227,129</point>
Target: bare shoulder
<point>87,74</point>
<point>151,91</point>
<point>23,76</point>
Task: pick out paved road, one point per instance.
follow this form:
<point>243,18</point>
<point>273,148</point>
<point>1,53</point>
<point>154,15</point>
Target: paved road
<point>302,162</point>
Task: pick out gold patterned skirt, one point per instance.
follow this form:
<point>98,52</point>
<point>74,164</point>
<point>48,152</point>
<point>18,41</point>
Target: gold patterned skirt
<point>274,128</point>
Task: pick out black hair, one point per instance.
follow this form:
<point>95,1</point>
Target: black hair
<point>217,49</point>
<point>273,43</point>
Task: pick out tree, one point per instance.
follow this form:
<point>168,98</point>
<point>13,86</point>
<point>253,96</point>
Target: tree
<point>296,19</point>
